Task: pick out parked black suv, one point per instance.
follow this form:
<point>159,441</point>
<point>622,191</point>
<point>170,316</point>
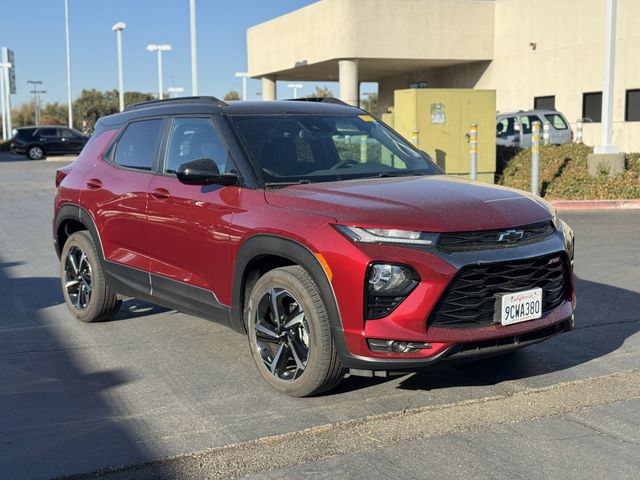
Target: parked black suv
<point>38,142</point>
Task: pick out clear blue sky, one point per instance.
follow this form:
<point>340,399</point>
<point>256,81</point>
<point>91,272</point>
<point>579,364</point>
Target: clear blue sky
<point>34,29</point>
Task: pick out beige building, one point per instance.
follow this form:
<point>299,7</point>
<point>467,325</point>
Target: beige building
<point>542,53</point>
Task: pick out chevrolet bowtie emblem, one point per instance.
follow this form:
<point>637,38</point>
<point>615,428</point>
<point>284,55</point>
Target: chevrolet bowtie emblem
<point>510,236</point>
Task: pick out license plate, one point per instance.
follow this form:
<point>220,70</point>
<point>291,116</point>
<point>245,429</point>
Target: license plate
<point>518,307</point>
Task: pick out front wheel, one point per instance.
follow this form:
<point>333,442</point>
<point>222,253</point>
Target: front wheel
<point>84,287</point>
<point>290,335</point>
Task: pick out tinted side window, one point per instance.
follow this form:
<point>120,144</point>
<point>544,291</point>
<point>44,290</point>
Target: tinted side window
<point>25,133</point>
<point>505,128</point>
<point>68,133</point>
<point>137,145</point>
<point>191,139</point>
<point>527,123</point>
<point>48,132</point>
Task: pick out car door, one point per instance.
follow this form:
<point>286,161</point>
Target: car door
<point>190,226</point>
<point>49,138</point>
<point>117,192</point>
<point>71,141</point>
<point>559,130</point>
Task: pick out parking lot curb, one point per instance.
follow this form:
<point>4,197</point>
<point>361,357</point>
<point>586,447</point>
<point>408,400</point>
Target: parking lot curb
<point>62,158</point>
<point>596,204</point>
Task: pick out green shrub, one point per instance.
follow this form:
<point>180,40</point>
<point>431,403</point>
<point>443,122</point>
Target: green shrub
<point>564,175</point>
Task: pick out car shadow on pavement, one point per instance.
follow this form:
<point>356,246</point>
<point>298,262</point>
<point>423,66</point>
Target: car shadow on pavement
<point>606,317</point>
<point>57,413</point>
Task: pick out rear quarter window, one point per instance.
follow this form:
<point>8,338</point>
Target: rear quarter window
<point>137,146</point>
<point>557,121</point>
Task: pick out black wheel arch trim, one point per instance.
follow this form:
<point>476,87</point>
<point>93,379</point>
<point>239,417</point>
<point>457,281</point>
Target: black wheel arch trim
<point>269,244</point>
<point>70,211</point>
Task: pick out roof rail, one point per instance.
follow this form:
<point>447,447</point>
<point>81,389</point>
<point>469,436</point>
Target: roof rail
<point>319,99</point>
<point>135,106</point>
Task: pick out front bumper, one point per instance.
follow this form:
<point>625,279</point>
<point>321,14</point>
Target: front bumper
<point>409,321</point>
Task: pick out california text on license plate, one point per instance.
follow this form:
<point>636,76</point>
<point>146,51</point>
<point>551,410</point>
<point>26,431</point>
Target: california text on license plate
<point>518,307</point>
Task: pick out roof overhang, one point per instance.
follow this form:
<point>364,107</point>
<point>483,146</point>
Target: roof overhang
<point>386,36</point>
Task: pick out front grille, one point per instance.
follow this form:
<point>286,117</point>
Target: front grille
<point>469,300</point>
<point>485,239</point>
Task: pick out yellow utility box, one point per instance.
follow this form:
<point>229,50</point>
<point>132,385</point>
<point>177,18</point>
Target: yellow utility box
<point>438,121</point>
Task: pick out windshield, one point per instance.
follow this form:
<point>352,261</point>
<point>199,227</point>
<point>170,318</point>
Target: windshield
<point>321,148</point>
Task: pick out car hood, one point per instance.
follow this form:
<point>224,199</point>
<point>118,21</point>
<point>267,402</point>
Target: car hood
<point>429,203</point>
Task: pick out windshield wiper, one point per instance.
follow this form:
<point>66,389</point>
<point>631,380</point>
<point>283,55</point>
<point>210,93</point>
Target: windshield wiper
<point>400,174</point>
<point>285,184</point>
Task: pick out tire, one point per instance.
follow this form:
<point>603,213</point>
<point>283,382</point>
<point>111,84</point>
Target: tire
<point>89,299</point>
<point>303,328</point>
<point>36,152</point>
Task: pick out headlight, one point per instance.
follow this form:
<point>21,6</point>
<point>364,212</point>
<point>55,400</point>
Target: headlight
<point>388,235</point>
<point>387,285</point>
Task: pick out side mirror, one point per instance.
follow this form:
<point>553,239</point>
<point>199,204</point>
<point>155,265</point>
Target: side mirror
<point>204,171</point>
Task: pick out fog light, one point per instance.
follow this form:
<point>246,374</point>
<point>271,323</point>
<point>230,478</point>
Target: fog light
<point>389,279</point>
<point>396,346</point>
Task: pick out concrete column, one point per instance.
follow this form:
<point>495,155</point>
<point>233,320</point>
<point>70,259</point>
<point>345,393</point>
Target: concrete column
<point>348,73</point>
<point>268,88</point>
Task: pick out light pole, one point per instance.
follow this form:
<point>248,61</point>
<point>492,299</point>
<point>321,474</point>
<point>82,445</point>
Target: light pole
<point>152,47</point>
<point>295,87</point>
<point>118,28</point>
<point>66,21</point>
<point>3,98</point>
<point>606,145</point>
<point>194,55</point>
<point>175,91</point>
<point>243,76</point>
<point>36,98</point>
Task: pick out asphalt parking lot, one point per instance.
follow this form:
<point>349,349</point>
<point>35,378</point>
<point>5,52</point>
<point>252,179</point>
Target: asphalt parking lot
<point>153,384</point>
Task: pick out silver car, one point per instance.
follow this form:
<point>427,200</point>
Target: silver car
<point>514,129</point>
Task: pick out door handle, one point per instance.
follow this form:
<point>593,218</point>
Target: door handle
<point>160,193</point>
<point>94,184</point>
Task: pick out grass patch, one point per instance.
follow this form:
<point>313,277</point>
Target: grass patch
<point>564,175</point>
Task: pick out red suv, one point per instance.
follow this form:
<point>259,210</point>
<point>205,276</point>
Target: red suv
<point>313,228</point>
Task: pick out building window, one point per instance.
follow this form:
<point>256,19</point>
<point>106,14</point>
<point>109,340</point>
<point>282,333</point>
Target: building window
<point>592,106</point>
<point>544,103</point>
<point>632,106</point>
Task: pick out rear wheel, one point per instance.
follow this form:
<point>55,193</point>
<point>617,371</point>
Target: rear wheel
<point>290,335</point>
<point>35,152</point>
<point>85,290</point>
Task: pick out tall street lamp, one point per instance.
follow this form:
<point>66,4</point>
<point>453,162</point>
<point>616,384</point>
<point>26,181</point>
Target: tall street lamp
<point>194,55</point>
<point>118,28</point>
<point>66,22</point>
<point>3,98</point>
<point>295,87</point>
<point>243,76</point>
<point>152,47</point>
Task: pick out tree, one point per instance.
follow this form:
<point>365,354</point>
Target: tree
<point>91,105</point>
<point>232,95</point>
<point>321,92</point>
<point>136,97</point>
<point>370,103</point>
<point>54,114</point>
<point>23,115</point>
